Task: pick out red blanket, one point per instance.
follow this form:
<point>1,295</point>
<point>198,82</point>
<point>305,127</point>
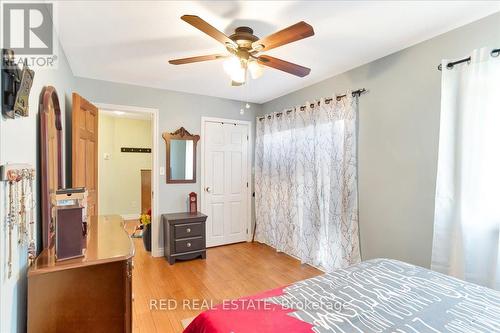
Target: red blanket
<point>248,315</point>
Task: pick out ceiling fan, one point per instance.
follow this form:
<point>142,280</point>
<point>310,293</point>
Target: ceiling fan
<point>244,48</point>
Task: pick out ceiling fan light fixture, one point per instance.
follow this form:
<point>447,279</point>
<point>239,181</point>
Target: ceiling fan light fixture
<point>231,65</point>
<point>231,47</point>
<point>255,69</point>
<point>244,48</point>
<point>258,47</point>
<point>235,69</point>
<point>239,75</point>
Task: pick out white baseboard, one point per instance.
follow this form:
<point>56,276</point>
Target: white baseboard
<point>158,253</point>
<point>130,216</point>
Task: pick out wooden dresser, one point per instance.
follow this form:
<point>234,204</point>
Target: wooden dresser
<point>87,294</point>
<point>184,236</point>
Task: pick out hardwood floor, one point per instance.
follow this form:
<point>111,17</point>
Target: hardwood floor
<point>229,272</point>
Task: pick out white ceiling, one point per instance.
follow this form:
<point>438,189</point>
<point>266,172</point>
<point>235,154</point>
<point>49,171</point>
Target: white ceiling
<point>131,41</point>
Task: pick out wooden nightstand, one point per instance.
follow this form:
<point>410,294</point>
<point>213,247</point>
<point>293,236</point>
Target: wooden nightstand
<point>184,236</point>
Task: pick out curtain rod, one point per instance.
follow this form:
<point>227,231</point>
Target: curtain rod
<point>327,101</point>
<point>494,53</point>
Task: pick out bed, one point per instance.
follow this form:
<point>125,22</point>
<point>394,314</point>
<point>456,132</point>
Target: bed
<point>378,295</point>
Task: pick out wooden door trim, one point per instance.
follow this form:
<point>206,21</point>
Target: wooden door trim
<point>249,166</point>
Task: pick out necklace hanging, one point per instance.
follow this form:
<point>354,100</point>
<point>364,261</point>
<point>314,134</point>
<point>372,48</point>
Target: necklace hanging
<point>11,216</point>
<point>22,224</point>
<point>20,209</point>
<point>31,246</point>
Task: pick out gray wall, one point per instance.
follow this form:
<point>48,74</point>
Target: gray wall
<point>175,110</point>
<point>19,144</point>
<point>398,138</point>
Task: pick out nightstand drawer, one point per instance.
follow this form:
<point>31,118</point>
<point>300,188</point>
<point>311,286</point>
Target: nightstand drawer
<point>189,244</point>
<point>188,230</point>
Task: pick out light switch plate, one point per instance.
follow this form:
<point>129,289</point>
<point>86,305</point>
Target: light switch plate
<point>162,171</point>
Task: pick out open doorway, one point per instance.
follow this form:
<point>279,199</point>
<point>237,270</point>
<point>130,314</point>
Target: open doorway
<point>127,160</point>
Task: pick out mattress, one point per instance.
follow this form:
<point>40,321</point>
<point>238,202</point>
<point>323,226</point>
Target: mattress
<point>378,295</point>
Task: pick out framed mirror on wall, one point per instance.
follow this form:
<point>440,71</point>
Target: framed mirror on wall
<point>181,156</point>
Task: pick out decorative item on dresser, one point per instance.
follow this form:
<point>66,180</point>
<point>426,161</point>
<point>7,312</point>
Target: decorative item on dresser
<point>69,213</point>
<point>184,236</point>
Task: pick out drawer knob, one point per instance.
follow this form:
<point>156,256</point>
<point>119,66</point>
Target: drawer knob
<point>188,230</point>
<point>188,244</point>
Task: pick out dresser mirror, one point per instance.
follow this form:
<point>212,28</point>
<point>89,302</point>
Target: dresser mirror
<point>181,156</point>
<point>51,157</point>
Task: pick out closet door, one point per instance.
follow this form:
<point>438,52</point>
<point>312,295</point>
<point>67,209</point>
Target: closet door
<point>225,182</point>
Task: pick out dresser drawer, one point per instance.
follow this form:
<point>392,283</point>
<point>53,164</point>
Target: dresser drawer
<point>188,230</point>
<point>189,244</point>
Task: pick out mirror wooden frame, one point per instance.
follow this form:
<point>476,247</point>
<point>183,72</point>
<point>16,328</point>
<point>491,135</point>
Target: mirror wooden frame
<point>180,134</point>
<point>51,163</point>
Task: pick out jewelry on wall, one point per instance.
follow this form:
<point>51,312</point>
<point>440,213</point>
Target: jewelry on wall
<point>21,208</point>
<point>31,200</point>
<point>11,217</point>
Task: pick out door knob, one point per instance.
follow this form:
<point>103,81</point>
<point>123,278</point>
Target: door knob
<point>208,189</point>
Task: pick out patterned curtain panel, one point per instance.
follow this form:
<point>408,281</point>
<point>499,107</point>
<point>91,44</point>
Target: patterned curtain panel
<point>306,183</point>
<point>467,209</point>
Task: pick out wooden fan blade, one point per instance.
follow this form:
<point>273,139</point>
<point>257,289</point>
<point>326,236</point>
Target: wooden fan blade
<point>283,65</point>
<point>196,59</point>
<point>291,34</point>
<point>203,26</point>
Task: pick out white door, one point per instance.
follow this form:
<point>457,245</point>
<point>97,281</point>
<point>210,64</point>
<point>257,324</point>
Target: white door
<point>225,182</point>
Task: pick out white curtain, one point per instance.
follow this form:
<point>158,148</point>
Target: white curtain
<point>306,183</point>
<point>467,211</point>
